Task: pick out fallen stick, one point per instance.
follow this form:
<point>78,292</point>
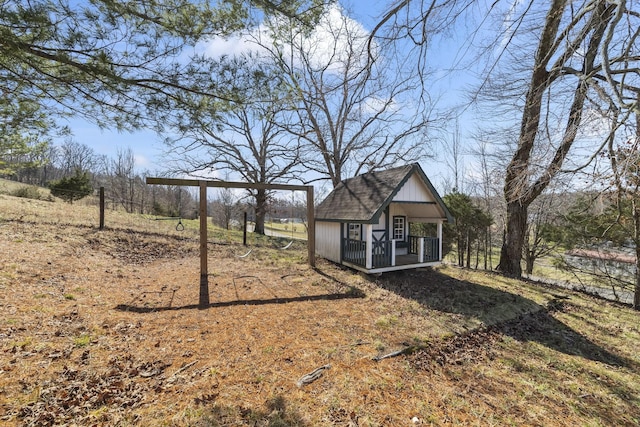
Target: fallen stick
<point>173,377</point>
<point>405,350</point>
<point>312,376</point>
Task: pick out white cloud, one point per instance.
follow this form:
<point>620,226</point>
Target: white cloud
<point>231,46</point>
<point>141,161</point>
<point>328,45</point>
<point>337,40</point>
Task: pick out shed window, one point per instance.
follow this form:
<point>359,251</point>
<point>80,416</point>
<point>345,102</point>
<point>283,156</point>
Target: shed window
<point>355,231</point>
<point>399,223</point>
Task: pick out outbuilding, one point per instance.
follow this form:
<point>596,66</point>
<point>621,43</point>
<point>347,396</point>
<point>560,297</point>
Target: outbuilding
<point>370,222</point>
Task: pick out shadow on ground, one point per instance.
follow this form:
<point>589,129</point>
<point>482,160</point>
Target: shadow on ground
<point>139,306</point>
<point>503,312</point>
<point>275,413</point>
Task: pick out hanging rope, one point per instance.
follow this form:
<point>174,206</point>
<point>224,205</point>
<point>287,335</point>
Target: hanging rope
<point>179,225</point>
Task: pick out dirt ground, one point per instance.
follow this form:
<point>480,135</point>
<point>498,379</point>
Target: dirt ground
<point>104,328</point>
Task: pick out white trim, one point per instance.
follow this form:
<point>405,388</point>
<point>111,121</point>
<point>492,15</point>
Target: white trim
<point>394,268</point>
<point>368,233</point>
<point>393,253</point>
<point>440,240</point>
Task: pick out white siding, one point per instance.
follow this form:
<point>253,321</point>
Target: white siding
<point>414,190</point>
<point>380,227</point>
<point>328,240</point>
<point>396,210</point>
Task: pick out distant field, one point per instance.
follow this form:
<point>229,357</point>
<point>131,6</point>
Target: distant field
<point>104,328</point>
<point>293,230</point>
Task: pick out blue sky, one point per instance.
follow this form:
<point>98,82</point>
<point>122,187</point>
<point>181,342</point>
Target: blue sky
<point>148,147</point>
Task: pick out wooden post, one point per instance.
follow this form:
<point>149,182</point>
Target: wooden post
<point>244,230</point>
<point>311,228</point>
<point>204,281</point>
<point>101,208</point>
<point>368,233</point>
<point>204,275</point>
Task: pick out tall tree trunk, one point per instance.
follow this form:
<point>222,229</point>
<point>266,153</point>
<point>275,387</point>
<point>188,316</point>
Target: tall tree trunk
<point>636,237</point>
<point>511,253</point>
<point>529,260</point>
<point>261,211</point>
<point>518,190</point>
<point>468,239</point>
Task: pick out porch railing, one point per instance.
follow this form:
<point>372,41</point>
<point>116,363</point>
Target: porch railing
<point>354,251</point>
<point>381,253</point>
<point>431,248</point>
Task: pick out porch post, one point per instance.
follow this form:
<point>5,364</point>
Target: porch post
<point>420,250</point>
<point>393,252</point>
<point>368,233</point>
<point>204,275</point>
<point>439,240</point>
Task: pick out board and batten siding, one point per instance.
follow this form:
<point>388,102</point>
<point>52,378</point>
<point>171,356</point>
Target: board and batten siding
<point>328,240</point>
<point>396,210</point>
<point>414,190</point>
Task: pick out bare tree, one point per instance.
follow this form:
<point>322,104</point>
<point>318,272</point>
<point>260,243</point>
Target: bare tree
<point>123,179</point>
<point>355,109</point>
<point>543,228</point>
<point>624,154</point>
<point>246,140</point>
<point>73,155</point>
<point>585,49</point>
<point>454,161</point>
<point>571,41</point>
<point>224,209</point>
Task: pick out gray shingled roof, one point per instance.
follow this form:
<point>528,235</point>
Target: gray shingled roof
<point>362,198</point>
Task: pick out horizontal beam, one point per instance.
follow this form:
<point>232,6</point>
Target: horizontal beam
<point>225,184</point>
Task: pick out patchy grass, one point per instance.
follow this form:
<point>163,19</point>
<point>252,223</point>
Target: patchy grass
<point>17,189</point>
<point>132,347</point>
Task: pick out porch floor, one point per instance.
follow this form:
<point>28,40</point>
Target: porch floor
<point>406,259</point>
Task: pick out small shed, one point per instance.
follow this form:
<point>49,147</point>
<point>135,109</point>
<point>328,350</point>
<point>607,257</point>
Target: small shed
<point>365,222</point>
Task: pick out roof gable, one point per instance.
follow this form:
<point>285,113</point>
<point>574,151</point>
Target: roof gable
<point>364,197</point>
<point>414,190</point>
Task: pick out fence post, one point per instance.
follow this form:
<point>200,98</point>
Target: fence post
<point>244,230</point>
<point>311,228</point>
<point>101,208</point>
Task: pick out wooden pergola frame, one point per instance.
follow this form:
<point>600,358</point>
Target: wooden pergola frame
<point>204,275</point>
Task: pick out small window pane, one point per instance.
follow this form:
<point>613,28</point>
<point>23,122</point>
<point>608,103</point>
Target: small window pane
<point>398,227</point>
<point>354,231</point>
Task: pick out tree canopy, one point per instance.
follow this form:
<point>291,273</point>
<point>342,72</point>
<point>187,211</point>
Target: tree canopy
<point>114,61</point>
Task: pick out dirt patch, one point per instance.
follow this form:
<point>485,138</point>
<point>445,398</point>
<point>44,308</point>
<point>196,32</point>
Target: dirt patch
<point>471,347</point>
<point>138,248</point>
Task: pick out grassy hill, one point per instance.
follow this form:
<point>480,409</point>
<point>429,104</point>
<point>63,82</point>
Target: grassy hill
<point>103,328</point>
